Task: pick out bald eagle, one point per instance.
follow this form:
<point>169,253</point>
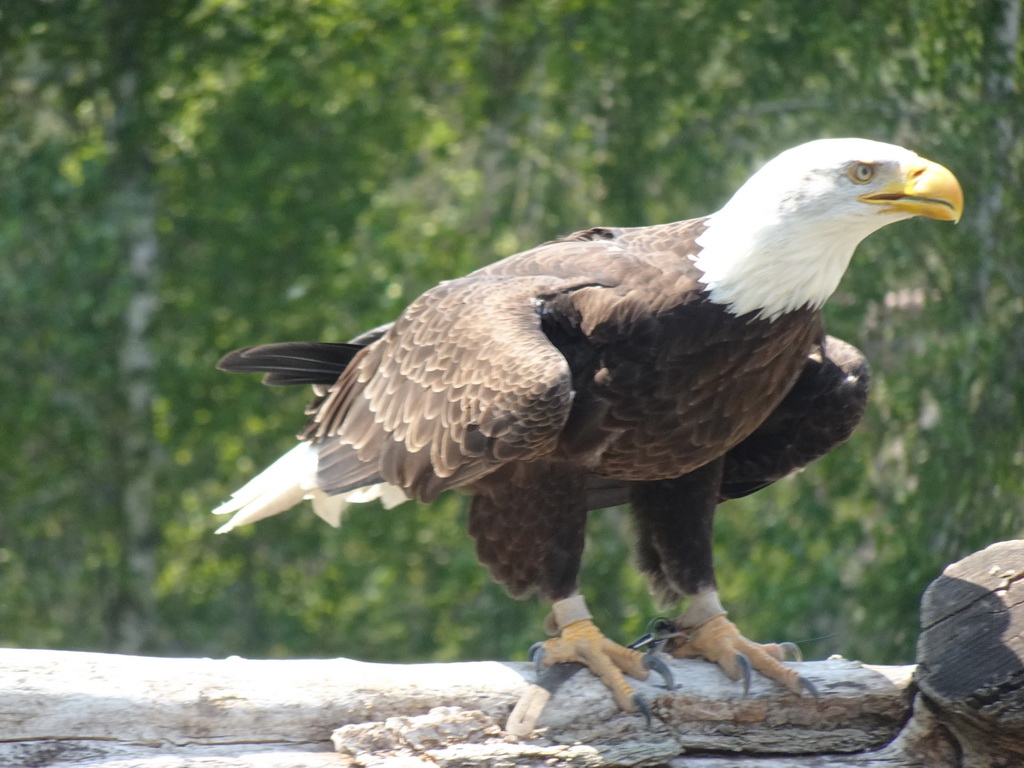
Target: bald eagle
<point>669,367</point>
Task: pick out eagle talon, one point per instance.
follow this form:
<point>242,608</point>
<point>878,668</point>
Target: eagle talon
<point>644,708</point>
<point>792,649</point>
<point>555,675</point>
<point>743,662</point>
<point>537,655</point>
<point>720,642</point>
<point>653,663</point>
<point>809,686</point>
<point>534,649</point>
<point>583,643</point>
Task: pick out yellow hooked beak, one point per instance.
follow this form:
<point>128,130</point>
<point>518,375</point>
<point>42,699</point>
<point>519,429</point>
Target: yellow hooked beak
<point>925,189</point>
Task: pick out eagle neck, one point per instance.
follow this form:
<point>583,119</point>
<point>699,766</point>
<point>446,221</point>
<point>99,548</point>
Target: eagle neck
<point>775,263</point>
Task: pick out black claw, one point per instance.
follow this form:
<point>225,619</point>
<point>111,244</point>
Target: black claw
<point>653,663</point>
<point>744,663</point>
<point>644,707</point>
<point>552,678</point>
<point>811,688</point>
<point>793,650</point>
<point>537,654</point>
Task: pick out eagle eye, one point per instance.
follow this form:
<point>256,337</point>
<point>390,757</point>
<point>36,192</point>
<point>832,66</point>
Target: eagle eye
<point>861,173</point>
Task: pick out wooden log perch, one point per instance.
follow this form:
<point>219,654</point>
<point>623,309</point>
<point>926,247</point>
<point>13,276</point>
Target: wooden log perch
<point>69,709</point>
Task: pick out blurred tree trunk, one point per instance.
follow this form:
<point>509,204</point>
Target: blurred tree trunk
<point>132,210</point>
<point>999,93</point>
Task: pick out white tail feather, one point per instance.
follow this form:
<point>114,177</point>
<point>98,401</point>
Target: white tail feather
<point>288,481</point>
<point>390,495</point>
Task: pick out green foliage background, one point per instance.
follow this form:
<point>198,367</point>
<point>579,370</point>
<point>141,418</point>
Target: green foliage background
<point>305,168</point>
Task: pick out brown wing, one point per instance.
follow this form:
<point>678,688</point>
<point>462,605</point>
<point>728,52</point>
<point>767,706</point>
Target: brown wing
<point>611,255</point>
<point>474,374</point>
<point>464,381</point>
<point>819,413</point>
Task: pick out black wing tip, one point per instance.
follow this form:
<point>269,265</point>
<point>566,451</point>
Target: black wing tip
<point>235,361</point>
<point>287,363</point>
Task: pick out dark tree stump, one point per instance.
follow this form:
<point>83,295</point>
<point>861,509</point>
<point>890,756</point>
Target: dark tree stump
<point>971,654</point>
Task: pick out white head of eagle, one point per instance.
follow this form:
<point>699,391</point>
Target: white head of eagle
<point>784,240</point>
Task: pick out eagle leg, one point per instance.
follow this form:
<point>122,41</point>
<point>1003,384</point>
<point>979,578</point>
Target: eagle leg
<point>719,641</point>
<point>674,545</point>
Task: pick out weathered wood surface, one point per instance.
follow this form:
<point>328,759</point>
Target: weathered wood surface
<point>77,709</point>
<point>71,710</point>
<point>971,653</point>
